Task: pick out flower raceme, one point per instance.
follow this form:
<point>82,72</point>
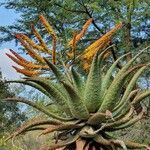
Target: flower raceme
<point>33,49</point>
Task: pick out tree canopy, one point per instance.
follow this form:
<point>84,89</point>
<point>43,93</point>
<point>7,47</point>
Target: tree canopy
<point>10,114</point>
<point>68,15</point>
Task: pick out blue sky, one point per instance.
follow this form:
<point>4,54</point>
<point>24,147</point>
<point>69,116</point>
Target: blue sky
<point>7,17</point>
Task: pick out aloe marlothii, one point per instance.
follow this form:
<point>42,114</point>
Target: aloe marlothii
<point>88,109</point>
<point>80,119</point>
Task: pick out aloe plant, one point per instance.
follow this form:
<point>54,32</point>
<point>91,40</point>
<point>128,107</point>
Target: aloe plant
<point>89,109</point>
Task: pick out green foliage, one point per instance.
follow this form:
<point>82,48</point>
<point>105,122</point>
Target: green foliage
<point>69,15</point>
<point>112,94</point>
<point>10,114</point>
<point>93,85</point>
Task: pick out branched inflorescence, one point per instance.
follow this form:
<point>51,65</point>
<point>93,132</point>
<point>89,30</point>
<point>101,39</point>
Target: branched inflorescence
<point>88,109</point>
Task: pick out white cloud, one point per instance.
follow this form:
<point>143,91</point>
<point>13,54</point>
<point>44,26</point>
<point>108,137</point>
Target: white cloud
<point>8,71</point>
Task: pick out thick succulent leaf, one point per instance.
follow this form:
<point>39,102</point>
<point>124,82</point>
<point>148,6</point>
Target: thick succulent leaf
<point>108,77</point>
<point>131,84</point>
<point>111,97</point>
<point>134,145</point>
<point>93,84</point>
<point>78,81</point>
<point>34,85</point>
<point>101,140</point>
<point>55,91</point>
<point>130,122</point>
<point>52,146</point>
<point>57,109</point>
<point>94,120</point>
<point>67,126</point>
<point>34,122</point>
<point>121,121</point>
<point>131,96</point>
<point>59,75</point>
<point>36,128</point>
<point>87,146</point>
<point>102,55</point>
<point>128,90</point>
<point>39,107</point>
<point>77,107</point>
<point>141,96</point>
<point>121,143</point>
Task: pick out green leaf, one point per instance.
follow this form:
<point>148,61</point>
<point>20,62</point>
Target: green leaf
<point>59,75</point>
<point>141,96</point>
<point>78,81</point>
<point>107,78</point>
<point>128,90</point>
<point>93,86</point>
<point>57,92</point>
<point>77,107</point>
<point>111,97</point>
<point>34,85</point>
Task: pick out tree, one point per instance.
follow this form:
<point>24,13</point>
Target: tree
<point>71,14</point>
<point>10,114</point>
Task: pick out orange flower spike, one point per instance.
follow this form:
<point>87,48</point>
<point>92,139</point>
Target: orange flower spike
<point>31,43</point>
<point>38,36</point>
<point>89,54</point>
<point>13,59</point>
<point>21,63</point>
<point>72,52</point>
<point>28,64</point>
<point>31,52</point>
<point>35,56</point>
<point>34,66</point>
<point>27,72</point>
<point>52,33</point>
<point>47,26</point>
<point>18,56</point>
<point>100,43</point>
<point>82,32</point>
